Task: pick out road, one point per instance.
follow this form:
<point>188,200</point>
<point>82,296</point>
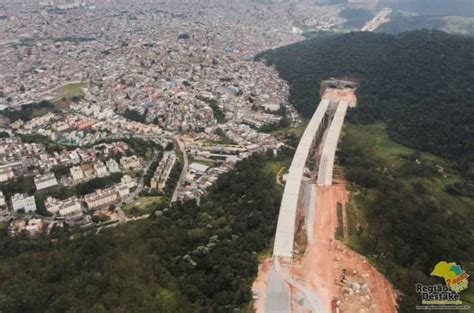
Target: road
<point>182,176</point>
<point>314,302</point>
<point>379,19</point>
<point>141,184</point>
<point>121,215</point>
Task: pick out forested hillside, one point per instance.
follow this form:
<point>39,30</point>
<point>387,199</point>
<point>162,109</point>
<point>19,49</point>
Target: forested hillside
<point>419,83</point>
<point>410,209</point>
<point>187,258</point>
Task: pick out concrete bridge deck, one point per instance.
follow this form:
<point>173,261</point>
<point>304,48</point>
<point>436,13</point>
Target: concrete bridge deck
<point>285,232</point>
<point>301,194</point>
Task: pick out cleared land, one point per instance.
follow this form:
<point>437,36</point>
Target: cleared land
<point>143,205</point>
<point>327,261</point>
<point>373,140</point>
<point>259,287</point>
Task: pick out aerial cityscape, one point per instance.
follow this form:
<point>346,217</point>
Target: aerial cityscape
<point>236,156</point>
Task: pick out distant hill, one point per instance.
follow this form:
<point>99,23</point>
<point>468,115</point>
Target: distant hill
<point>419,83</point>
<point>433,7</point>
<point>402,22</point>
<point>452,16</point>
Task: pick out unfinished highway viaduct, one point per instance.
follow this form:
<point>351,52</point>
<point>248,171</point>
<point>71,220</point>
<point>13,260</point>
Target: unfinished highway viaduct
<point>319,141</point>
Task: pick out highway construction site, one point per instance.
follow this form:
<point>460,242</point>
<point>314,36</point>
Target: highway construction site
<point>310,270</point>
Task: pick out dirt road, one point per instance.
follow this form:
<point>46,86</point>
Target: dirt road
<point>259,287</point>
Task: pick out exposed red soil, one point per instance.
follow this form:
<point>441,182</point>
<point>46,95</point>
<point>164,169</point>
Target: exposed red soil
<point>322,266</point>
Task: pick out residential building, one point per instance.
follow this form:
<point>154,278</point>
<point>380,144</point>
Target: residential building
<point>130,163</point>
<point>101,198</point>
<point>6,173</point>
<point>84,124</point>
<point>45,181</point>
<point>63,207</point>
<point>112,165</point>
<point>198,169</point>
<point>79,219</point>
<point>158,181</point>
<point>3,203</point>
<point>100,169</point>
<point>127,180</point>
<point>23,202</point>
<point>122,189</point>
<point>76,173</point>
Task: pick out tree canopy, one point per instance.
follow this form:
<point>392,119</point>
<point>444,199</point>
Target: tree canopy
<point>418,82</point>
<point>186,258</point>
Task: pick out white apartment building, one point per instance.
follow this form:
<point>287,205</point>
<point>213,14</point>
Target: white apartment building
<point>112,165</point>
<point>159,179</point>
<point>130,182</point>
<point>122,189</point>
<point>63,207</point>
<point>76,173</point>
<point>130,163</point>
<point>101,198</point>
<point>23,201</point>
<point>100,169</point>
<point>45,181</point>
<point>6,173</point>
<point>2,200</point>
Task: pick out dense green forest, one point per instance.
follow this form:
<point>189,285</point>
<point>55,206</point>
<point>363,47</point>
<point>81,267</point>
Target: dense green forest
<point>407,218</point>
<point>30,111</point>
<point>419,83</point>
<point>413,208</point>
<point>186,258</point>
<point>136,116</point>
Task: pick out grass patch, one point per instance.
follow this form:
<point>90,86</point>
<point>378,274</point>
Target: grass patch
<point>209,163</point>
<point>290,132</point>
<point>3,226</point>
<point>143,205</point>
<point>72,90</point>
<point>373,140</point>
<point>274,167</point>
<point>340,222</point>
<point>265,254</point>
<point>357,220</point>
<point>67,93</point>
<point>352,219</point>
<point>301,240</point>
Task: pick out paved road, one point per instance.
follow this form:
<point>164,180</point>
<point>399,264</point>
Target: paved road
<point>278,293</point>
<point>121,214</point>
<point>315,303</point>
<point>183,171</point>
<point>379,19</point>
<point>141,184</point>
